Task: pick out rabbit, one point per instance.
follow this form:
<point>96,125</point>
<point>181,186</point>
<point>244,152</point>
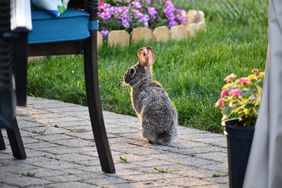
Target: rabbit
<point>150,101</point>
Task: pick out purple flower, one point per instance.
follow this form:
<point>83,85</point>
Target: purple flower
<point>125,23</point>
<point>146,24</point>
<point>144,18</point>
<point>181,19</point>
<point>136,4</point>
<point>179,16</point>
<point>105,33</point>
<point>139,14</point>
<point>143,11</point>
<point>124,16</point>
<point>170,16</point>
<point>169,12</point>
<point>106,15</point>
<point>178,11</point>
<point>172,23</point>
<point>121,9</point>
<point>173,14</point>
<point>153,13</point>
<point>106,11</point>
<point>169,4</point>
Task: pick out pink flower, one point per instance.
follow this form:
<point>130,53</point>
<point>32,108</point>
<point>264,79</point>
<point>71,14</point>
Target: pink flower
<point>219,103</point>
<point>224,93</point>
<point>235,92</point>
<point>244,80</point>
<point>230,77</point>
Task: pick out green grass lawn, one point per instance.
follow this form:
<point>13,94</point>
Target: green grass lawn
<point>240,11</point>
<point>191,70</point>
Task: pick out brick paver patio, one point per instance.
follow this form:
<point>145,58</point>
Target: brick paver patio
<point>61,152</point>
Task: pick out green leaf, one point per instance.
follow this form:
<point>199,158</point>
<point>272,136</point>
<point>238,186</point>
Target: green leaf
<point>160,170</point>
<point>226,111</point>
<point>245,92</point>
<point>29,174</point>
<point>219,175</point>
<point>249,106</point>
<point>61,9</point>
<point>230,88</point>
<point>123,159</point>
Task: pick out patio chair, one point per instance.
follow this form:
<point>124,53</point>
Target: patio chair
<point>74,32</point>
<point>8,119</point>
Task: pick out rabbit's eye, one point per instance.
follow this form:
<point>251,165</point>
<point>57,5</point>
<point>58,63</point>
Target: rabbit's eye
<point>132,71</point>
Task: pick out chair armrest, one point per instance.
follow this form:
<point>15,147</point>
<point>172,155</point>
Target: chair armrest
<point>21,16</point>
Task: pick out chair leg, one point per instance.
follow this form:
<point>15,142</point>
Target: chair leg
<point>15,140</point>
<point>94,104</point>
<point>2,143</point>
<point>20,68</point>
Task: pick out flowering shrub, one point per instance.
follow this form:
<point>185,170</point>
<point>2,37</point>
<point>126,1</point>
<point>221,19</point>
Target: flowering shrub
<point>240,98</point>
<point>128,14</point>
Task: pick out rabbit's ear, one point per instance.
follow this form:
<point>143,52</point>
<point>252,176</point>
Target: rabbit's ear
<point>142,56</point>
<point>146,56</point>
<point>150,55</point>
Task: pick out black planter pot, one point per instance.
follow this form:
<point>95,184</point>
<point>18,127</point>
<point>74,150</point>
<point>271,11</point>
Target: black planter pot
<point>239,142</point>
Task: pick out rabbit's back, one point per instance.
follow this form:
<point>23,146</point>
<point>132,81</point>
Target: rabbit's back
<point>157,113</point>
<point>147,93</point>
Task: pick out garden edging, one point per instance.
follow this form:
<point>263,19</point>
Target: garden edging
<point>195,23</point>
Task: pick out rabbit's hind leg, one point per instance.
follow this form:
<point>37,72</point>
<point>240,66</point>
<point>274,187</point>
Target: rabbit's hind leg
<point>148,132</point>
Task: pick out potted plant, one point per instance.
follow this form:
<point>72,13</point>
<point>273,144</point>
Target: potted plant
<point>239,103</point>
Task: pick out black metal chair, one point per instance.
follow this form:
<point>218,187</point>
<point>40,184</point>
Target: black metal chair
<point>83,43</point>
<point>7,87</point>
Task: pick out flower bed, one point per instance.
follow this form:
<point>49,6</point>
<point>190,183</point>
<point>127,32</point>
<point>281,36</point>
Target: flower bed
<point>127,15</point>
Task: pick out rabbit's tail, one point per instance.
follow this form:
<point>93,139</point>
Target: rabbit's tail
<point>166,137</point>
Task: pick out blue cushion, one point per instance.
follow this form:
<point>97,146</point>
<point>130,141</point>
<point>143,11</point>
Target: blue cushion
<point>72,25</point>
